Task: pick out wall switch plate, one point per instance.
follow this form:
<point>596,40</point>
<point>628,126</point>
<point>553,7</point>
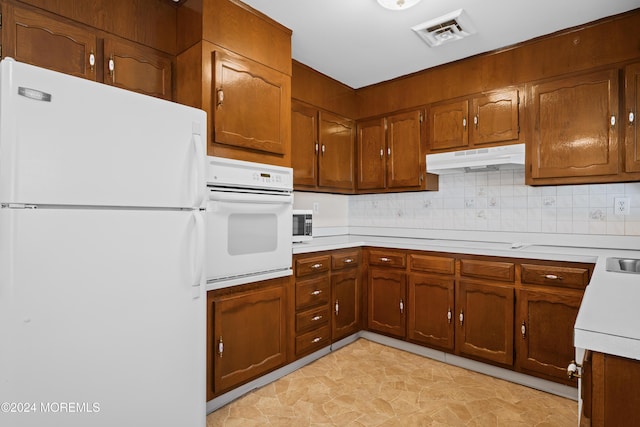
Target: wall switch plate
<point>621,205</point>
<point>316,207</point>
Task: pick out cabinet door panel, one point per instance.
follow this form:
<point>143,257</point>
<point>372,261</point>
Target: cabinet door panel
<point>486,328</point>
<point>572,134</point>
<point>371,159</point>
<point>134,67</point>
<point>304,144</point>
<point>251,104</point>
<point>346,303</point>
<point>405,167</point>
<point>386,301</point>
<point>545,338</point>
<point>431,305</point>
<point>630,122</point>
<point>495,117</point>
<point>336,156</point>
<point>448,125</point>
<point>250,330</point>
<point>39,40</point>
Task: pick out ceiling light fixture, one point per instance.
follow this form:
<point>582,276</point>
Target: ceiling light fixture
<point>397,4</point>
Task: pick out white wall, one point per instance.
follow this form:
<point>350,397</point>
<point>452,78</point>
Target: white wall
<point>499,201</point>
<point>332,209</point>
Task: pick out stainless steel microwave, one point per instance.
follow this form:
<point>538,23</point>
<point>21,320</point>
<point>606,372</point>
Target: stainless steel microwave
<point>302,225</point>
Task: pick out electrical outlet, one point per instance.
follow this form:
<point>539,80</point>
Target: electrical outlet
<point>316,207</point>
<point>621,205</point>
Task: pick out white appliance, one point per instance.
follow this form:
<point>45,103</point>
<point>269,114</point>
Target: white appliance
<point>302,230</point>
<point>248,218</point>
<point>477,160</point>
<point>102,308</point>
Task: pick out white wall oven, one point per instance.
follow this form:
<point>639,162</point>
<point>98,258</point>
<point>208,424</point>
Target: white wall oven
<point>249,221</point>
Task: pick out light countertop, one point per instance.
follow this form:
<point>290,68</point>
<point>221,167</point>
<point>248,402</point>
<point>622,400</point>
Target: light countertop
<point>609,316</point>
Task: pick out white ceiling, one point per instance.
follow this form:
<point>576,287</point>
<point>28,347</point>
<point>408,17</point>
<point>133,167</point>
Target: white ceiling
<point>359,43</point>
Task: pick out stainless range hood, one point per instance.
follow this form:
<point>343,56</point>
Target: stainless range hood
<point>477,160</point>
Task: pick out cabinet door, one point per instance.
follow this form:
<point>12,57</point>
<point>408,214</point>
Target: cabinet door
<point>545,335</point>
<point>484,314</point>
<point>405,154</point>
<point>251,104</point>
<point>249,336</point>
<point>495,117</point>
<point>49,43</point>
<point>387,301</point>
<point>346,303</point>
<point>336,158</point>
<point>134,67</point>
<point>574,127</point>
<point>615,391</point>
<point>371,158</point>
<point>304,144</point>
<point>431,306</point>
<point>448,123</point>
<point>630,122</point>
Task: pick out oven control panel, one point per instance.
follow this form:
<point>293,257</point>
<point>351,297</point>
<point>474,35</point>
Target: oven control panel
<point>223,172</point>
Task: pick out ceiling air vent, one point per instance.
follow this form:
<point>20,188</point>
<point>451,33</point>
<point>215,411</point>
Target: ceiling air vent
<point>447,28</point>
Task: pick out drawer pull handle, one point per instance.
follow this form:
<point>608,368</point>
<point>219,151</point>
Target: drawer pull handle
<point>316,292</point>
<point>551,277</point>
<point>385,259</point>
<point>348,260</point>
<point>523,329</point>
<point>316,318</point>
<point>316,266</point>
<point>449,315</point>
<point>316,340</point>
<point>573,370</point>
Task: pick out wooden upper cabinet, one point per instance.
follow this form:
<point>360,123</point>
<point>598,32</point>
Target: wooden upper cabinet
<point>304,144</point>
<point>573,129</point>
<point>630,121</point>
<point>130,66</point>
<point>371,145</point>
<point>495,117</point>
<point>336,159</point>
<point>405,152</point>
<point>448,122</point>
<point>251,104</point>
<point>39,40</point>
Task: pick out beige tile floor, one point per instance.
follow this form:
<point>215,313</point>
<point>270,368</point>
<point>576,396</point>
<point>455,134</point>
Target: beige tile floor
<point>368,384</point>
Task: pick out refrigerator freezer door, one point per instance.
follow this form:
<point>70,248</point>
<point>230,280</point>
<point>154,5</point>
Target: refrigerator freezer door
<point>69,141</point>
<point>98,321</point>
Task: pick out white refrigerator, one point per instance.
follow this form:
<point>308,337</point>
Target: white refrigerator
<point>102,299</point>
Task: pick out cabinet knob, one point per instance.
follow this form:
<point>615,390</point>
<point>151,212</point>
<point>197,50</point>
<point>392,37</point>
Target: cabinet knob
<point>574,370</point>
<point>464,123</point>
<point>449,315</point>
<point>220,347</point>
<point>219,97</point>
<point>348,260</point>
<point>475,121</point>
<point>632,117</point>
<point>92,60</point>
<point>316,148</point>
<point>316,340</point>
<point>337,307</point>
<point>401,306</point>
<point>323,149</point>
<point>112,67</point>
<point>316,318</point>
<point>461,317</point>
<point>523,330</point>
<point>381,153</point>
<point>316,292</point>
<point>388,151</point>
<point>613,121</point>
<point>316,266</point>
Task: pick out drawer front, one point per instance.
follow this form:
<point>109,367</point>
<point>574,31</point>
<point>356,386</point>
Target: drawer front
<point>494,270</point>
<point>306,266</point>
<point>313,340</point>
<point>345,259</point>
<point>552,275</point>
<point>313,292</point>
<point>386,258</point>
<point>433,264</point>
<point>313,318</point>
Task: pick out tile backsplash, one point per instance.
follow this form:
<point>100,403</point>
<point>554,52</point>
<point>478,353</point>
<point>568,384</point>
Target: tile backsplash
<point>499,201</point>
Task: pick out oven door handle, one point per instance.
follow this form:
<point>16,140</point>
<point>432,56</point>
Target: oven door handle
<point>221,196</point>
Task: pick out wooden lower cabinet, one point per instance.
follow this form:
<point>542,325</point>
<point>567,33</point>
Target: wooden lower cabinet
<point>430,306</point>
<point>544,332</point>
<point>246,333</point>
<point>386,301</point>
<point>485,318</point>
<point>345,316</point>
<point>610,391</point>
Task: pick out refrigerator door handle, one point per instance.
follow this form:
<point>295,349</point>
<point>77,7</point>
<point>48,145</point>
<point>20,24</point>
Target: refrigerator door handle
<point>200,248</point>
<point>200,165</point>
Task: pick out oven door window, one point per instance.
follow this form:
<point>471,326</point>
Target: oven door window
<point>252,233</point>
